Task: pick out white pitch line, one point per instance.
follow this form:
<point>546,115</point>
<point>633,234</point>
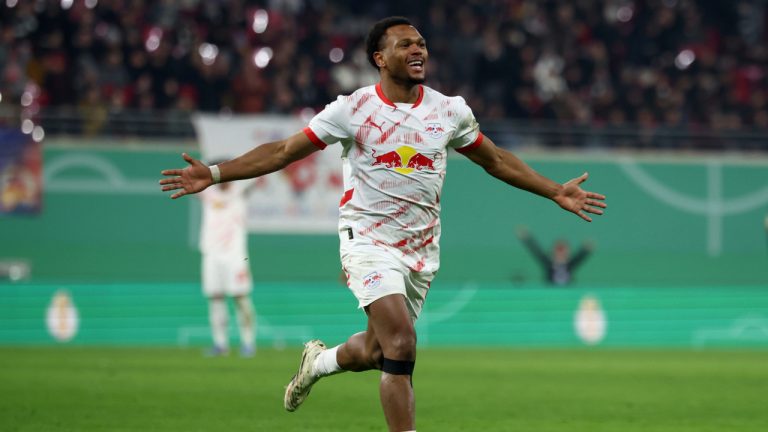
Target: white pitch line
<point>661,192</point>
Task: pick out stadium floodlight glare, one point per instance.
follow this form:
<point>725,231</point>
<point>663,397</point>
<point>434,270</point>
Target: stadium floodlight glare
<point>11,3</point>
<point>336,55</point>
<point>260,21</point>
<point>38,133</point>
<point>685,59</point>
<point>26,99</point>
<point>66,4</point>
<point>624,14</point>
<point>208,53</point>
<point>27,126</point>
<point>262,56</point>
<point>90,4</point>
<point>1,97</point>
<point>153,39</point>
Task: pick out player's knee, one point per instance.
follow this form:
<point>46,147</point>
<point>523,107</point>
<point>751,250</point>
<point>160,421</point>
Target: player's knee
<point>402,346</point>
<point>374,357</point>
<point>244,306</point>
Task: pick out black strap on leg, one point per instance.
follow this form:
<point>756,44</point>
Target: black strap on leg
<point>397,367</point>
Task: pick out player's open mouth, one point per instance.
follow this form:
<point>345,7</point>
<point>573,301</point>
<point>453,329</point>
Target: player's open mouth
<point>416,65</point>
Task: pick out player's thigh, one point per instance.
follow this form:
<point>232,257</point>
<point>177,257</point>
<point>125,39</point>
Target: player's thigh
<point>390,319</point>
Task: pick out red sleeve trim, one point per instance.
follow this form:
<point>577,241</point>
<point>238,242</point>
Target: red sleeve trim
<point>315,140</point>
<point>474,145</point>
<point>346,197</point>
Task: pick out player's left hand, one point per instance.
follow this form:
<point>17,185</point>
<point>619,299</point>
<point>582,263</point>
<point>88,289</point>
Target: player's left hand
<point>576,200</point>
<point>192,179</point>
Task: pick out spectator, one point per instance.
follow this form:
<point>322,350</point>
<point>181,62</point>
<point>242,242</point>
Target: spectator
<point>663,65</point>
<point>559,265</point>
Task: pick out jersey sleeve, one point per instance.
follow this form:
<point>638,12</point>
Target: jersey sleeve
<point>467,134</point>
<point>330,125</point>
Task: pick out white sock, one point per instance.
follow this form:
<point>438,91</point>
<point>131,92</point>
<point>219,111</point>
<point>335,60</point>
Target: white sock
<point>326,363</point>
<point>219,317</point>
<point>246,319</point>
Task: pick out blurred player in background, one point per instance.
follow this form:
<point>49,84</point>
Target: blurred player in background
<point>560,264</point>
<point>395,136</point>
<point>225,266</point>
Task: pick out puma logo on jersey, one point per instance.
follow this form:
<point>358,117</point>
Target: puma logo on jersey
<point>368,121</point>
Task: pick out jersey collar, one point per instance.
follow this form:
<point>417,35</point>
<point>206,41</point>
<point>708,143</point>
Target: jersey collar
<point>386,100</point>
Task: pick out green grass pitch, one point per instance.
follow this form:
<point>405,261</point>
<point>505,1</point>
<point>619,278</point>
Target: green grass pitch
<point>165,389</point>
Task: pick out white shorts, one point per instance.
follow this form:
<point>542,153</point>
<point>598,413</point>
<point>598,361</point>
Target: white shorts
<point>374,272</point>
<point>226,276</point>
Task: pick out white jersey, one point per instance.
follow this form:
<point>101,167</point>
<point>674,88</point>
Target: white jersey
<point>224,215</point>
<point>394,161</point>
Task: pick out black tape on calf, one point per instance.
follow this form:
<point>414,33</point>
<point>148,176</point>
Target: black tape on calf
<point>397,367</point>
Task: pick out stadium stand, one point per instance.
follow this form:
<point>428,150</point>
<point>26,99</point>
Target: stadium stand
<point>672,67</point>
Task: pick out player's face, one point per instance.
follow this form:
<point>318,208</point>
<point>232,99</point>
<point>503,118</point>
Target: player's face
<point>405,54</point>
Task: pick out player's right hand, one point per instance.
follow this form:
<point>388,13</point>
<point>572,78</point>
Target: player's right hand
<point>192,179</point>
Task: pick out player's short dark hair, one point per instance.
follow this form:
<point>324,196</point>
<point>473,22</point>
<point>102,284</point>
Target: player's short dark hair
<point>373,41</point>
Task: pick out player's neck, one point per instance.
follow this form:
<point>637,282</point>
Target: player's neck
<point>400,92</point>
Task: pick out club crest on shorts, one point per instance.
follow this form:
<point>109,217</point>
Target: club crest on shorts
<point>372,280</point>
<point>434,130</point>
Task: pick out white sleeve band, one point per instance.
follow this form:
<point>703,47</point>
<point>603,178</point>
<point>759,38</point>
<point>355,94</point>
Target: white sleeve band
<point>215,173</point>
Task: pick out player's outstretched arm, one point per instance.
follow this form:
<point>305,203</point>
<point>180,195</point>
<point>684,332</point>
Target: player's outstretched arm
<point>508,168</point>
<point>262,160</point>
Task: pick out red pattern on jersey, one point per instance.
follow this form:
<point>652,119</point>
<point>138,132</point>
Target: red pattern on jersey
<point>366,97</point>
<point>365,130</point>
<point>394,216</point>
<point>388,133</point>
<point>392,184</point>
<point>346,197</point>
<point>444,111</point>
<point>418,239</point>
<point>412,138</point>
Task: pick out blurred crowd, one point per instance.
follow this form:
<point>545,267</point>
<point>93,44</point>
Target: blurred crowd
<point>654,63</point>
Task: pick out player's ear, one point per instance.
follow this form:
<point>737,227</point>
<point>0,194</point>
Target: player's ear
<point>378,58</point>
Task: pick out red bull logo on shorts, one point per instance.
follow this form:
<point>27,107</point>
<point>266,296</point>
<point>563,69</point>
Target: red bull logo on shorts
<point>404,159</point>
<point>372,280</point>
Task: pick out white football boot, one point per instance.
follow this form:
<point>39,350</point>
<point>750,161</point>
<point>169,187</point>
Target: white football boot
<point>301,383</point>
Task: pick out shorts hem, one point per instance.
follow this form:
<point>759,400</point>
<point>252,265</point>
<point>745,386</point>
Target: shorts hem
<point>363,303</point>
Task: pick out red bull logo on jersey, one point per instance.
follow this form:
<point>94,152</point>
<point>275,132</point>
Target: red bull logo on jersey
<point>404,159</point>
<point>434,130</point>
